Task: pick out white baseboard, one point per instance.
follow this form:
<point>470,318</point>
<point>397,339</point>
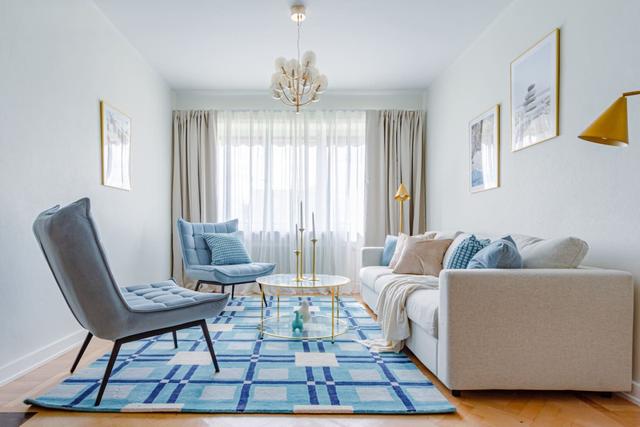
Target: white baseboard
<point>37,358</point>
<point>634,395</point>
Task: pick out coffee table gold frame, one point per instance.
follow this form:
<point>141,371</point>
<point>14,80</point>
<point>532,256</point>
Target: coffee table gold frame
<point>338,326</point>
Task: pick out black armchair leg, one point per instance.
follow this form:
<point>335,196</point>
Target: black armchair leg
<point>198,285</point>
<point>81,352</point>
<point>175,339</point>
<point>233,291</point>
<point>107,372</point>
<point>207,337</point>
<point>264,298</point>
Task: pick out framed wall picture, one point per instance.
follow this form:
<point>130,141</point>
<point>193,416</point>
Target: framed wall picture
<point>534,93</point>
<point>484,150</point>
<point>116,147</point>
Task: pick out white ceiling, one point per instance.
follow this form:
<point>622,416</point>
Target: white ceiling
<point>360,44</point>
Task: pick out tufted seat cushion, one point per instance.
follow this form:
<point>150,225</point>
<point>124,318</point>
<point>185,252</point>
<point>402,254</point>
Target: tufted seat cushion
<point>162,296</point>
<point>229,274</point>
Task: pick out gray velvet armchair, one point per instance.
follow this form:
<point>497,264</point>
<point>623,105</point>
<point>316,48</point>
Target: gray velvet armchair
<point>70,243</point>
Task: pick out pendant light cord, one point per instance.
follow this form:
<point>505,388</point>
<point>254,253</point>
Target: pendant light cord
<point>298,40</point>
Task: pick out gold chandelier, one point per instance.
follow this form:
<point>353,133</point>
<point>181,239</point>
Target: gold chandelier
<point>298,82</point>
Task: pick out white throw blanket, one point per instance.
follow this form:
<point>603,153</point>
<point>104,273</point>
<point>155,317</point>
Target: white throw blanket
<point>392,313</point>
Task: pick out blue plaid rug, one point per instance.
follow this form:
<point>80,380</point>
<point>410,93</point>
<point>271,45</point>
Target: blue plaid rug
<point>269,375</point>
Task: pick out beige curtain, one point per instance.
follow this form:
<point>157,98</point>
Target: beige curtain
<point>193,176</point>
<point>395,153</point>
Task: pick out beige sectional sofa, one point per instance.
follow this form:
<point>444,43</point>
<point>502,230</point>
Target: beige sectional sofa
<point>530,328</point>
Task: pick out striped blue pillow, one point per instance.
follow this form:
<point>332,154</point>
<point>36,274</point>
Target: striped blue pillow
<point>226,248</point>
<point>465,251</point>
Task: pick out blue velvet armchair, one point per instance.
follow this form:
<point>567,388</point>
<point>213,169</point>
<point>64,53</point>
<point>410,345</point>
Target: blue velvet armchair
<point>196,257</point>
<point>69,241</point>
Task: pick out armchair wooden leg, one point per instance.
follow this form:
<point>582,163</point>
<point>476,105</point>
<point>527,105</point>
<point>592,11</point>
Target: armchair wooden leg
<point>207,337</point>
<point>175,339</point>
<point>107,372</point>
<point>233,291</point>
<point>81,352</point>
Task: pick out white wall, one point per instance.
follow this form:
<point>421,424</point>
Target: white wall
<point>57,60</point>
<point>564,186</point>
<point>331,100</point>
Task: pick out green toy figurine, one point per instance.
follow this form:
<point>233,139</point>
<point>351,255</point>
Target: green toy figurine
<point>297,323</point>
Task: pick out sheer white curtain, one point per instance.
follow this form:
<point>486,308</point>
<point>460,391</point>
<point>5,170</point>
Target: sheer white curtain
<point>269,161</point>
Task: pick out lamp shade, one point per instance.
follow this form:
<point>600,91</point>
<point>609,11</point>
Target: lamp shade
<point>611,127</point>
<point>402,194</point>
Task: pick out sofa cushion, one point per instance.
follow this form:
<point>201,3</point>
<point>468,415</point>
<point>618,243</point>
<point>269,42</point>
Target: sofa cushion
<point>369,275</point>
<point>422,308</point>
<point>422,257</point>
<point>389,249</point>
<point>563,252</point>
<point>501,253</point>
<point>453,246</point>
<point>383,280</point>
<point>464,252</point>
<point>402,240</point>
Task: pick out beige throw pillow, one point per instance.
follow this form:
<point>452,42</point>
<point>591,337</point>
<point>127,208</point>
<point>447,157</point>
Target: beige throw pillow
<point>402,240</point>
<point>422,256</point>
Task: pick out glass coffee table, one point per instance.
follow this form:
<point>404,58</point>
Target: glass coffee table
<point>320,326</point>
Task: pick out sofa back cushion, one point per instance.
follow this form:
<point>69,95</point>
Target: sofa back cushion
<point>501,253</point>
<point>562,252</point>
<point>422,256</point>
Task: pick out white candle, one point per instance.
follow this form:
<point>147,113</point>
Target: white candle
<point>313,225</point>
<point>297,248</point>
<point>301,216</point>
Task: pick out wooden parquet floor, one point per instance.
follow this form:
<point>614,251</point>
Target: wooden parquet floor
<point>474,408</point>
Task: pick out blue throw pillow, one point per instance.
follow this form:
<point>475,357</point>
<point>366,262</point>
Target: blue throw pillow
<point>501,253</point>
<point>389,248</point>
<point>465,251</point>
<point>226,248</point>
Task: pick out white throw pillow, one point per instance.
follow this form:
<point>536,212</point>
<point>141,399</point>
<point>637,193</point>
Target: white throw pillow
<point>562,252</point>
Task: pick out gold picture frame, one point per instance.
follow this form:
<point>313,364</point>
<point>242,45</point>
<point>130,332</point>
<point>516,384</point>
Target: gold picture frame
<point>484,151</point>
<point>115,147</point>
<point>535,91</point>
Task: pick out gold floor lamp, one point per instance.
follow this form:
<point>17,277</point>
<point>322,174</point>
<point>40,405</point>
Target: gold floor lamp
<point>402,195</point>
<point>611,128</point>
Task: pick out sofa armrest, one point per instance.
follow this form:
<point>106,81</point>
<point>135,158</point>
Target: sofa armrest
<point>536,329</point>
<point>371,256</point>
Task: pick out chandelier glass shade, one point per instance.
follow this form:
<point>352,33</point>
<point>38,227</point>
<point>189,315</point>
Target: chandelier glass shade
<point>297,82</point>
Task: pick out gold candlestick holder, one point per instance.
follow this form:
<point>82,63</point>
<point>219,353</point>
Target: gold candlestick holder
<point>298,277</point>
<point>300,258</point>
<point>313,260</point>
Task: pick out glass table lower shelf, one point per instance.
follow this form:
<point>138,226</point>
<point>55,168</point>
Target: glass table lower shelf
<point>318,327</point>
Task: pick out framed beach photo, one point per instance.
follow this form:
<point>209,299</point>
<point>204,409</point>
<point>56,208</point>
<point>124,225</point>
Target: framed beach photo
<point>116,147</point>
<point>484,150</point>
<point>534,93</point>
